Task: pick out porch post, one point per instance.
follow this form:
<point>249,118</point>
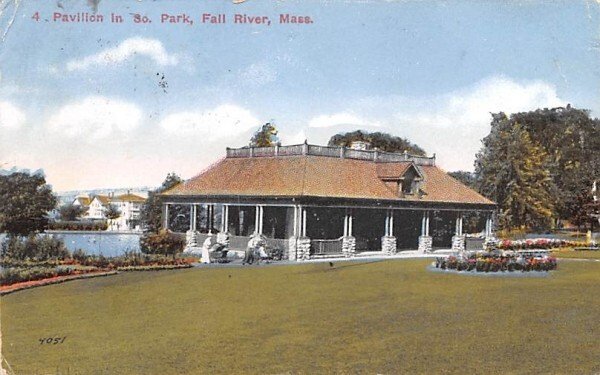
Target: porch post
<point>346,225</point>
<point>388,241</point>
<point>489,242</point>
<point>166,216</point>
<point>303,231</point>
<point>260,219</point>
<point>293,241</point>
<point>301,244</point>
<point>425,241</point>
<point>223,235</point>
<point>348,241</point>
<point>256,220</point>
<point>458,240</point>
<point>223,217</point>
<point>191,236</point>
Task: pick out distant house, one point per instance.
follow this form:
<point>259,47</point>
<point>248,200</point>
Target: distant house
<point>128,204</point>
<point>97,207</point>
<point>83,201</point>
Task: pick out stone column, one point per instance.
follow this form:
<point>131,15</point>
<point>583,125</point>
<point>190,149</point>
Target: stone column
<point>425,241</point>
<point>191,236</point>
<point>293,241</point>
<point>489,242</point>
<point>388,241</point>
<point>458,240</point>
<point>303,248</point>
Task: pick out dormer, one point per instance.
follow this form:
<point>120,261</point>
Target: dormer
<point>404,179</point>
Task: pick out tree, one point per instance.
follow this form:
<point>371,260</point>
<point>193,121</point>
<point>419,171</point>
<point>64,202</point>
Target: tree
<point>70,212</point>
<point>512,171</point>
<point>151,212</point>
<point>570,138</point>
<point>381,141</point>
<point>265,136</point>
<point>25,200</point>
<point>112,212</point>
<point>467,178</point>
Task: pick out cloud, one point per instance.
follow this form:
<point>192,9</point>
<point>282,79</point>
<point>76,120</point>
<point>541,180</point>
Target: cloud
<point>126,50</point>
<point>341,119</point>
<point>212,124</point>
<point>453,124</point>
<point>11,117</point>
<point>471,107</point>
<point>95,117</point>
<point>258,74</point>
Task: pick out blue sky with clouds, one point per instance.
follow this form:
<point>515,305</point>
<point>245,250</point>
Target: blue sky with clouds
<point>88,102</point>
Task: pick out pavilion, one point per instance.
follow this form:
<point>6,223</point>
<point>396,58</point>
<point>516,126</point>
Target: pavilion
<point>319,201</point>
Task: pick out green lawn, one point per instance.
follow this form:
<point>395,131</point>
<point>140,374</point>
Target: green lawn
<point>384,317</point>
<point>579,254</point>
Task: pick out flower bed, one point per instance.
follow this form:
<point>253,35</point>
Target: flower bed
<point>154,267</point>
<point>538,243</point>
<point>11,276</point>
<point>503,263</point>
<point>6,289</point>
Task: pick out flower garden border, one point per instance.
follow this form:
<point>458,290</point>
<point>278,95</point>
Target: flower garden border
<point>7,289</point>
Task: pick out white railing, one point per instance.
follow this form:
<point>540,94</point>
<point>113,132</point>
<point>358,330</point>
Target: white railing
<point>329,151</point>
<point>326,247</point>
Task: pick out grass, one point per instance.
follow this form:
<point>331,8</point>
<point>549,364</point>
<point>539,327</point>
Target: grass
<point>383,317</point>
<point>578,254</point>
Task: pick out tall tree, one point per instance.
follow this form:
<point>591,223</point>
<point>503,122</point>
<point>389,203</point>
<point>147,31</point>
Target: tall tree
<point>25,200</point>
<point>151,212</point>
<point>513,171</point>
<point>265,136</point>
<point>571,140</point>
<point>382,141</point>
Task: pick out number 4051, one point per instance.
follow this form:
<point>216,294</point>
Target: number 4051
<point>52,340</point>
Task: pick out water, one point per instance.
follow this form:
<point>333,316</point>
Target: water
<point>100,243</point>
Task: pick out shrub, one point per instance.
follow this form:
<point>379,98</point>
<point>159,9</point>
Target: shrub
<point>39,248</point>
<point>16,275</point>
<point>79,225</point>
<point>164,242</point>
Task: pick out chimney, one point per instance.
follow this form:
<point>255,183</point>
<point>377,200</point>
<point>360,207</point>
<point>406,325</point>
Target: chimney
<point>360,145</point>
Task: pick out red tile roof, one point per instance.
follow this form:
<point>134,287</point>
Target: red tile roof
<point>319,176</point>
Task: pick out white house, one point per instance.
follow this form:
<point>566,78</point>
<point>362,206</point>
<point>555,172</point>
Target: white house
<point>129,205</point>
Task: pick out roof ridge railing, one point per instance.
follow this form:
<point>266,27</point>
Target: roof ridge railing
<point>341,152</point>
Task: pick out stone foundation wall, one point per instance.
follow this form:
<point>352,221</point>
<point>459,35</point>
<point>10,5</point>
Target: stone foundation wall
<point>490,243</point>
<point>292,248</point>
<point>458,243</point>
<point>388,245</point>
<point>191,239</point>
<point>348,246</point>
<point>303,248</point>
<point>425,244</point>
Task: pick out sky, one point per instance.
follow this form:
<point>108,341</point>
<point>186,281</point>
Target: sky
<point>99,105</point>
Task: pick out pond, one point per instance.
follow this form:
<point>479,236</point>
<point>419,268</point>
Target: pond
<point>100,243</point>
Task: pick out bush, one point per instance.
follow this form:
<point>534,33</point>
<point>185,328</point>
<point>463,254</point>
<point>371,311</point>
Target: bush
<point>164,242</point>
<point>16,275</point>
<point>39,248</point>
<point>79,225</point>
